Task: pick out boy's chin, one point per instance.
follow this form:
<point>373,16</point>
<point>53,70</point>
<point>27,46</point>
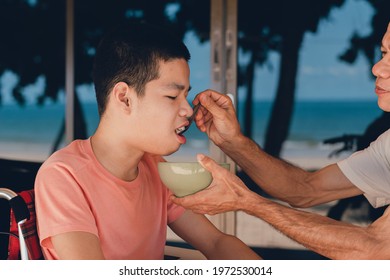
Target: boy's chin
<point>170,151</point>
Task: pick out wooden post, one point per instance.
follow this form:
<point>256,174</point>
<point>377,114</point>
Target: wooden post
<point>69,72</point>
<point>223,34</point>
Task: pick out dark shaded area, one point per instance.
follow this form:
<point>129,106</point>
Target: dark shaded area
<point>17,176</point>
<point>287,254</point>
<point>270,253</point>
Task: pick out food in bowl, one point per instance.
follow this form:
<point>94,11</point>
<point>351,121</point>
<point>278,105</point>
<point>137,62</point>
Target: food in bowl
<point>185,178</point>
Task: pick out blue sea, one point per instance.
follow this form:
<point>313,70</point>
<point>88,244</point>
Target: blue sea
<point>318,120</point>
<point>30,132</point>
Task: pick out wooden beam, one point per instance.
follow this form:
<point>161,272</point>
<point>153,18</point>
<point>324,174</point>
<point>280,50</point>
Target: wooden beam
<point>223,34</point>
<point>69,72</point>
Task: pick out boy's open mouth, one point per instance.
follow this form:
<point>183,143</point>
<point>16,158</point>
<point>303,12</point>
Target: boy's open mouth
<point>180,130</point>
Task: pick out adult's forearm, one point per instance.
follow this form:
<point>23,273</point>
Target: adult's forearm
<point>277,177</point>
<point>330,238</point>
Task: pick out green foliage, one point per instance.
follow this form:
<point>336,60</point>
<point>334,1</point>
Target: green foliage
<point>369,45</point>
<point>33,37</point>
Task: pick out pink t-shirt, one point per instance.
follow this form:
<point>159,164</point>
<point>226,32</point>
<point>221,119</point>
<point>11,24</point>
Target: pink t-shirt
<point>74,192</point>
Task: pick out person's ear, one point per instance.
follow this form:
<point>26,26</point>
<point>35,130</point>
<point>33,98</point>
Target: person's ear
<point>122,96</point>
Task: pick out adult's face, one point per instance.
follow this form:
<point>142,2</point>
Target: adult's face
<point>382,72</point>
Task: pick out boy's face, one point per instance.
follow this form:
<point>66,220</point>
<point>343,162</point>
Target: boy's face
<point>162,110</point>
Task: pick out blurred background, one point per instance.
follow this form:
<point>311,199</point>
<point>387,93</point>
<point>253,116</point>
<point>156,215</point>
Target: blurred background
<point>302,81</point>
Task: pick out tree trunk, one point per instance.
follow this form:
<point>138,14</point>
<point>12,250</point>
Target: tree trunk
<point>282,110</point>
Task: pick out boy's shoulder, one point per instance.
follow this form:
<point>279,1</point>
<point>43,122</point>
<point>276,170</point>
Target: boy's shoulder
<point>73,156</point>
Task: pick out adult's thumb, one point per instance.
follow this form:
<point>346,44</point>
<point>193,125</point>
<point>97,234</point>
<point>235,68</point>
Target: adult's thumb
<point>208,163</point>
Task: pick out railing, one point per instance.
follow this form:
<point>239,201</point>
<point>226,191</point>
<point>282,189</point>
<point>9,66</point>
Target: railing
<point>21,213</point>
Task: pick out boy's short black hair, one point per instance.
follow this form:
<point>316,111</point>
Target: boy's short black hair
<point>131,53</point>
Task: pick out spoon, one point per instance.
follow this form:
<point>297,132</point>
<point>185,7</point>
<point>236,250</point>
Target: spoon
<point>191,119</point>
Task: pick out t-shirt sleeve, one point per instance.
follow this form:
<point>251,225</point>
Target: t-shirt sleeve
<point>369,170</point>
<point>61,205</point>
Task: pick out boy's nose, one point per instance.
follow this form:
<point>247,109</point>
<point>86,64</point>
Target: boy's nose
<point>186,110</point>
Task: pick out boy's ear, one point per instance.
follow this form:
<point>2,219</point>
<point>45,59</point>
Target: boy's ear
<point>122,96</point>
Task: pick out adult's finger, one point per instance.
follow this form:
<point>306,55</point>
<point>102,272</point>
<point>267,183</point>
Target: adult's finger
<point>215,103</point>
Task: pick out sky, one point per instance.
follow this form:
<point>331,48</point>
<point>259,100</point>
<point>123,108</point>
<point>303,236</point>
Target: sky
<point>320,64</point>
<point>321,76</point>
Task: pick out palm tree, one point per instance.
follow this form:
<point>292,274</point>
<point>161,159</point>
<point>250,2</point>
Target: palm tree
<point>293,20</point>
<point>33,43</point>
<point>265,26</point>
<point>369,45</point>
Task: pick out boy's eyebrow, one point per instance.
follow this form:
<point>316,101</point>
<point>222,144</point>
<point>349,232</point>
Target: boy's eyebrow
<point>178,86</point>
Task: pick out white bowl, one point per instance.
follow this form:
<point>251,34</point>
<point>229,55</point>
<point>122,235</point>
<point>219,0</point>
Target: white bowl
<point>185,178</point>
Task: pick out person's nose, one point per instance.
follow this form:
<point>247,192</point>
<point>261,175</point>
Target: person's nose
<point>186,109</point>
<point>382,68</point>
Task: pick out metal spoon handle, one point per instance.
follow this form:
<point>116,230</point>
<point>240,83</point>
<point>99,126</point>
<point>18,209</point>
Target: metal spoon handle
<point>195,110</point>
<point>191,119</point>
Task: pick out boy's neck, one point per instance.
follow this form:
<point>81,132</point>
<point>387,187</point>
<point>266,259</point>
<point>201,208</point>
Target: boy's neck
<point>115,157</point>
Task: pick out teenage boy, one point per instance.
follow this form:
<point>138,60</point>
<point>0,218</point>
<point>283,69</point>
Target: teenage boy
<point>102,198</point>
